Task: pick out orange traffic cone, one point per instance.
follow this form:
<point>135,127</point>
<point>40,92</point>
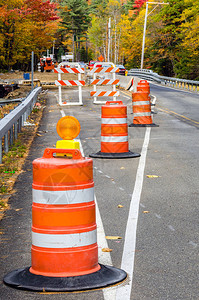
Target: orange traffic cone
<point>114,132</point>
<point>64,238</point>
<point>141,110</point>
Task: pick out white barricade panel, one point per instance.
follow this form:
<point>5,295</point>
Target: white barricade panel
<point>71,68</point>
<point>107,68</point>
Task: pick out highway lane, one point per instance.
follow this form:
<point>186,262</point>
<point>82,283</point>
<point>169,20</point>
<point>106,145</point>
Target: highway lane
<point>167,233</point>
<point>182,104</point>
<point>162,265</point>
<point>166,265</point>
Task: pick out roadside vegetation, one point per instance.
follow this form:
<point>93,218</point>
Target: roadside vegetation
<point>12,163</point>
<point>80,26</point>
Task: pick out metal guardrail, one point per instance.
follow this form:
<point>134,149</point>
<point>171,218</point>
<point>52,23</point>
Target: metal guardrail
<point>8,101</point>
<point>12,123</point>
<point>190,85</point>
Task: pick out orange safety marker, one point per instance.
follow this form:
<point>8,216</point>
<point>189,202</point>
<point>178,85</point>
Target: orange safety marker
<point>114,132</point>
<point>142,110</point>
<point>144,86</point>
<point>64,237</point>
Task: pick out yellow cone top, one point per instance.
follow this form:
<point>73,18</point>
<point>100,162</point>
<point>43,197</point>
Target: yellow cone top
<point>68,128</point>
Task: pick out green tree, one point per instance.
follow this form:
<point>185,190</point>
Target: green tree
<point>75,19</point>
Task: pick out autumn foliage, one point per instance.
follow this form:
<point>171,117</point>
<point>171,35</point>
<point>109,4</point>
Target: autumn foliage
<point>172,36</point>
<point>171,44</point>
<point>25,26</point>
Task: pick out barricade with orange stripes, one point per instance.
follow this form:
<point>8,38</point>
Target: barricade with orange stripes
<point>114,132</point>
<point>73,69</point>
<point>104,70</point>
<point>64,237</point>
<point>141,110</point>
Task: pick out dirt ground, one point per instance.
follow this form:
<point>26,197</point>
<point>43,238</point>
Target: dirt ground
<point>45,76</point>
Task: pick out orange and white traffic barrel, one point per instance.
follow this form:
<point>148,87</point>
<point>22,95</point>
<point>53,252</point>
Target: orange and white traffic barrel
<point>64,232</point>
<point>114,132</point>
<point>64,239</point>
<point>141,110</point>
<point>143,85</point>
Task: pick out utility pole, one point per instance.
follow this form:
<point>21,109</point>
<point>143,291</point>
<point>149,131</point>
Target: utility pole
<point>32,71</point>
<point>109,39</point>
<point>145,23</point>
<point>53,48</point>
<point>115,58</point>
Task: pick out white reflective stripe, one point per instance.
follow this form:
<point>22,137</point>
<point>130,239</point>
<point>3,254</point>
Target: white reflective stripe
<point>64,240</point>
<point>141,103</point>
<point>114,139</point>
<point>141,114</point>
<point>114,120</point>
<point>63,197</point>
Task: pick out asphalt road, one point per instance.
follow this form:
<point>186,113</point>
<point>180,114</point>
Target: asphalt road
<point>165,251</point>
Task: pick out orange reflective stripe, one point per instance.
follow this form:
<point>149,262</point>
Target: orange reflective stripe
<point>64,262</point>
<point>142,108</point>
<point>49,216</point>
<point>120,147</point>
<point>114,129</point>
<point>142,120</point>
<point>78,172</point>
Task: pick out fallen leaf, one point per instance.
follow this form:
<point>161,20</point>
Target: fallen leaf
<point>145,212</point>
<point>18,209</point>
<point>39,134</point>
<point>107,250</point>
<point>120,206</point>
<point>109,237</point>
<point>122,168</point>
<point>152,176</point>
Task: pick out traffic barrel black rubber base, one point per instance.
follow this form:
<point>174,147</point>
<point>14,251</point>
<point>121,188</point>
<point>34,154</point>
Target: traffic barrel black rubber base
<point>128,154</point>
<point>143,125</point>
<point>24,280</point>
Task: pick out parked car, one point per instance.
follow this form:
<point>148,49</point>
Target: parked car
<point>122,69</point>
<point>92,62</point>
<point>82,64</point>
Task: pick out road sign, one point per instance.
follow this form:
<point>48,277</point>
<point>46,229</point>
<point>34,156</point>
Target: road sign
<point>101,58</point>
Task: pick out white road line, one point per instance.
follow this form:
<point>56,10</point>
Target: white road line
<point>126,97</point>
<point>104,257</point>
<point>158,216</point>
<point>171,228</point>
<point>124,292</point>
<point>193,244</point>
<point>107,176</point>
